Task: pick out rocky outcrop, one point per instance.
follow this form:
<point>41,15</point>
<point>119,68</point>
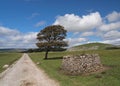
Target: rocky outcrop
<point>81,64</point>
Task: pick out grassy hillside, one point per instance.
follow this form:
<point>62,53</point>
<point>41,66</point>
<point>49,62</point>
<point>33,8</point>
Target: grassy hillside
<point>91,46</point>
<point>8,58</point>
<point>109,58</point>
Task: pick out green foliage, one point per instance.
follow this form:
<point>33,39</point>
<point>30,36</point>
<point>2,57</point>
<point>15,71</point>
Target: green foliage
<point>110,58</point>
<point>51,38</point>
<point>8,58</point>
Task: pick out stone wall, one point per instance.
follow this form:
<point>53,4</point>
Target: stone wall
<point>81,64</point>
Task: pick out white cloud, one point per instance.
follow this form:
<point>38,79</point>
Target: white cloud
<point>84,26</point>
<point>40,23</point>
<point>114,16</point>
<point>11,38</point>
<point>7,31</point>
<point>76,33</point>
<point>113,41</point>
<point>112,35</point>
<point>31,37</point>
<point>90,25</point>
<point>33,15</point>
<point>75,23</point>
<point>110,31</point>
<point>110,26</point>
<point>87,34</point>
<point>75,41</point>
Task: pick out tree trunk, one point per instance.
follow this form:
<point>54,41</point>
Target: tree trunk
<point>46,54</point>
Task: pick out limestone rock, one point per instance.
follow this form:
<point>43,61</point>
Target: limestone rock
<point>38,63</point>
<point>5,66</point>
<point>81,64</point>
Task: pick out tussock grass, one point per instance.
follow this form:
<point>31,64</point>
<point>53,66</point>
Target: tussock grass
<point>109,58</point>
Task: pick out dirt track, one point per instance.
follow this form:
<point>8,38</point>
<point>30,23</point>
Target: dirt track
<point>25,73</point>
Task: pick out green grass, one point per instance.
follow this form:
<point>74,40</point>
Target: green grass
<point>101,46</point>
<point>109,58</point>
<point>8,58</point>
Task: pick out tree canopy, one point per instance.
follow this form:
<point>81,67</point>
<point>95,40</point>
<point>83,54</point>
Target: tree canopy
<point>51,37</point>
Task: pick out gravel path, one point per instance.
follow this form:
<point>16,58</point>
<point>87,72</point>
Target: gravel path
<point>25,73</point>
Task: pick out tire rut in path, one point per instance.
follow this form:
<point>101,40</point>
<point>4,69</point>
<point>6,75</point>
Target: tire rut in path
<point>25,73</point>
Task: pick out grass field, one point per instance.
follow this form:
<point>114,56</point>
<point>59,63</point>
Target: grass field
<point>109,58</point>
<point>8,58</point>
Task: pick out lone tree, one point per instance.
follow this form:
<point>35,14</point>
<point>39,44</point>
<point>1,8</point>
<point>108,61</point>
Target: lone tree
<point>51,37</point>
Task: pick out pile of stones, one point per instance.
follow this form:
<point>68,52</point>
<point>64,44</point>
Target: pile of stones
<point>81,64</point>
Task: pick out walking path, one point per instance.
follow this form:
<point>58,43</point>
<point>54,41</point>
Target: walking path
<point>25,73</point>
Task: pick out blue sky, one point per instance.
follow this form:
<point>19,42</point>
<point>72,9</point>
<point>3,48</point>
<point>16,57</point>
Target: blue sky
<point>85,20</point>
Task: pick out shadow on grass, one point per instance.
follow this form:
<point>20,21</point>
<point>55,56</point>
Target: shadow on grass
<point>54,58</point>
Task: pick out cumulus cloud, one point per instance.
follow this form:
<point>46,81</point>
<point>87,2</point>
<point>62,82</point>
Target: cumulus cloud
<point>76,33</point>
<point>112,35</point>
<point>78,27</point>
<point>75,41</point>
<point>110,26</point>
<point>40,23</point>
<point>6,31</point>
<point>11,38</point>
<point>110,31</point>
<point>114,41</point>
<point>104,28</point>
<point>87,34</point>
<point>114,16</point>
<point>75,23</point>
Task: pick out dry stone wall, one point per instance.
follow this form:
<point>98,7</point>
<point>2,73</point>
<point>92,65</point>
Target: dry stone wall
<point>81,64</point>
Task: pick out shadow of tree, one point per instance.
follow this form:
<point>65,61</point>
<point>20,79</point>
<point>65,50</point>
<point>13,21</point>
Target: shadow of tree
<point>54,58</point>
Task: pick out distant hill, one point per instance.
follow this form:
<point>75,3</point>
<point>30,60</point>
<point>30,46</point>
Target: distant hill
<point>12,50</point>
<point>93,46</point>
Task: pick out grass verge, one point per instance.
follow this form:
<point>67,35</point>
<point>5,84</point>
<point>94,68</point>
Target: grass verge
<point>8,58</point>
<point>109,58</point>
